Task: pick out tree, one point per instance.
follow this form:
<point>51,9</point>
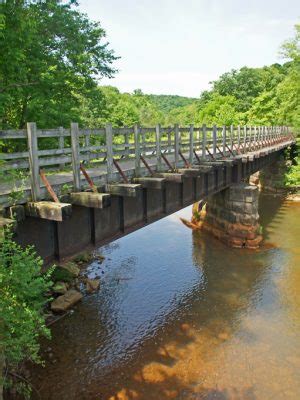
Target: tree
<point>53,53</point>
<point>221,110</point>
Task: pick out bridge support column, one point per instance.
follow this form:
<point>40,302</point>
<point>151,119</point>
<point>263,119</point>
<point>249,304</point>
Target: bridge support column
<point>231,216</point>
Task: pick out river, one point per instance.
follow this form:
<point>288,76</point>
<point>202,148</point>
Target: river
<point>181,316</point>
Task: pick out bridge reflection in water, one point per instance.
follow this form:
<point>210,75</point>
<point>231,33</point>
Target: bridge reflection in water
<point>184,318</point>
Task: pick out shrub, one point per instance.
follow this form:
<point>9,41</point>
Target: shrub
<point>22,298</point>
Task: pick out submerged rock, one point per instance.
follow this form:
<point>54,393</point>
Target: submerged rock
<point>66,301</point>
<point>92,285</point>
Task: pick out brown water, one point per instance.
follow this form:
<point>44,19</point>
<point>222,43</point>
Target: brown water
<point>181,316</point>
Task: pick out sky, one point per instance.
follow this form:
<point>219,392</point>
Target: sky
<point>179,46</point>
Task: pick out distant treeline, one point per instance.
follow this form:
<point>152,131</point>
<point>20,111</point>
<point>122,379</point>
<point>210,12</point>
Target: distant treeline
<point>52,57</point>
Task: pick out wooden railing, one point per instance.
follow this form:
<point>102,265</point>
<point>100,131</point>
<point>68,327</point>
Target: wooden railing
<point>104,145</point>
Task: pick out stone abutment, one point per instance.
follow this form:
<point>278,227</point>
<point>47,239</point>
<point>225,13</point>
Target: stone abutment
<point>231,216</point>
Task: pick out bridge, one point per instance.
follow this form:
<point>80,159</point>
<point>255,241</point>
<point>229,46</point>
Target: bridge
<point>84,187</point>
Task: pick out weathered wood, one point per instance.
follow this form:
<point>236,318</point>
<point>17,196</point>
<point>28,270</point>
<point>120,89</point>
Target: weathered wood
<point>224,139</point>
<point>75,155</point>
<point>191,144</point>
<point>176,145</point>
<point>48,210</point>
<point>109,151</point>
<point>61,144</point>
<point>33,161</point>
<point>191,172</point>
<point>90,199</point>
<point>123,189</point>
<point>158,148</point>
<point>151,183</point>
<point>137,150</point>
<point>231,138</point>
<point>170,176</point>
<point>204,142</point>
<point>215,130</point>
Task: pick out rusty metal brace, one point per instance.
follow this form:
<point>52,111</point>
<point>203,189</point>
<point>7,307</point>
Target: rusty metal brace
<point>237,149</point>
<point>186,163</point>
<point>147,165</point>
<point>48,186</point>
<point>230,151</point>
<point>167,162</point>
<point>220,151</point>
<point>196,155</point>
<point>116,164</point>
<point>211,155</point>
<point>89,179</point>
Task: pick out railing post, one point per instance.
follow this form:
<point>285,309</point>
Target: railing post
<point>126,144</point>
<point>255,138</point>
<point>61,144</point>
<point>169,141</point>
<point>109,151</point>
<point>245,138</point>
<point>231,137</point>
<point>137,150</point>
<point>33,161</point>
<point>224,139</point>
<point>215,130</point>
<point>143,143</point>
<point>204,140</point>
<point>239,137</point>
<point>250,138</point>
<point>158,147</point>
<point>191,143</point>
<point>176,143</point>
<point>75,155</point>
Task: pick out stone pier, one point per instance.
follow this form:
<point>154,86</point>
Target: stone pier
<point>231,216</point>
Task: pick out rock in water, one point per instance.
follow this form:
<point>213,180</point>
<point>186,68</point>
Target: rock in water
<point>60,288</point>
<point>92,285</point>
<point>66,301</point>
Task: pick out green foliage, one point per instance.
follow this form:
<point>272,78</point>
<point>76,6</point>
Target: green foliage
<point>292,177</point>
<point>52,51</point>
<point>166,103</point>
<point>22,298</point>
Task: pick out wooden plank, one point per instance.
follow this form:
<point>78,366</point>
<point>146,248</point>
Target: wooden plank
<point>158,148</point>
<point>204,141</point>
<point>170,176</point>
<point>123,189</point>
<point>151,183</point>
<point>224,139</point>
<point>75,155</point>
<point>48,210</point>
<point>137,152</point>
<point>176,146</point>
<point>215,130</point>
<point>109,151</point>
<point>33,161</point>
<point>191,144</point>
<point>90,199</point>
<point>61,144</point>
<point>190,172</point>
<point>13,134</point>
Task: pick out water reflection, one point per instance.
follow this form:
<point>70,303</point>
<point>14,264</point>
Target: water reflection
<point>180,316</point>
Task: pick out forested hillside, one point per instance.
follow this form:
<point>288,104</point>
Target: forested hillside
<point>53,76</point>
